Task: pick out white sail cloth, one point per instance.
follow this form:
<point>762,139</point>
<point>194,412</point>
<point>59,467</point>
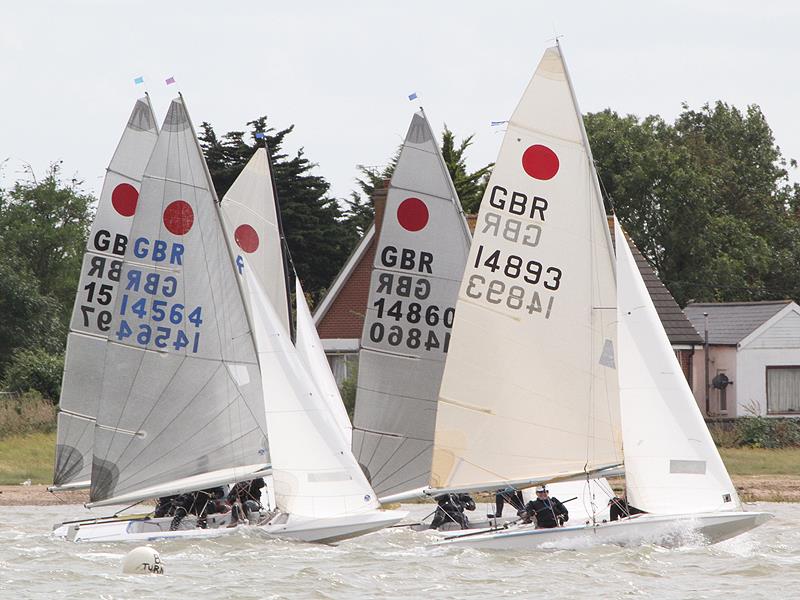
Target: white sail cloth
<point>181,391</point>
<point>312,355</point>
<point>671,462</point>
<point>530,384</point>
<point>94,302</point>
<point>250,213</point>
<point>419,261</point>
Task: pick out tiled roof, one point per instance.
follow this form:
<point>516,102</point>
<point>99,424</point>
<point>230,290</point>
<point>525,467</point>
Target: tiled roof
<point>731,322</point>
<point>678,327</point>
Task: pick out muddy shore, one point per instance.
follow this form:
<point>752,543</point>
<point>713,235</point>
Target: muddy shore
<point>752,488</point>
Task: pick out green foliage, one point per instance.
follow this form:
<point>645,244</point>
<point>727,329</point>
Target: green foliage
<point>35,370</point>
<point>26,413</point>
<point>707,199</point>
<point>46,223</point>
<point>469,186</point>
<point>348,390</point>
<point>312,221</point>
<point>27,456</point>
<point>757,432</point>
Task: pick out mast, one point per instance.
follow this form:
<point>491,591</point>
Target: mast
<point>285,256</point>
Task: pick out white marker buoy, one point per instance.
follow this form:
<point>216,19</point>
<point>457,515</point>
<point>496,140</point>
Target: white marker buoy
<point>143,560</point>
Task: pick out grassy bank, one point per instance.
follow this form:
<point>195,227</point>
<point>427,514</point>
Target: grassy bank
<point>27,456</point>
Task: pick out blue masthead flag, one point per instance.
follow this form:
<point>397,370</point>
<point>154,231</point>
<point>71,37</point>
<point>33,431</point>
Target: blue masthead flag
<point>138,80</point>
<point>412,96</point>
<point>260,136</point>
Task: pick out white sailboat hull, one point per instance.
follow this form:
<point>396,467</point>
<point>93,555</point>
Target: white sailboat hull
<point>323,530</point>
<point>662,530</point>
<point>329,530</point>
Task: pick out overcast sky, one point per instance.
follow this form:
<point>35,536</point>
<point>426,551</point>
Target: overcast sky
<point>342,71</point>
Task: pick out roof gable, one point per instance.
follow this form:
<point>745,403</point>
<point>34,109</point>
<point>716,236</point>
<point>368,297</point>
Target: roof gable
<point>731,322</point>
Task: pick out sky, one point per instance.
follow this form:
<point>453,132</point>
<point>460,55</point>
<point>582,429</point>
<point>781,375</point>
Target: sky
<point>341,72</point>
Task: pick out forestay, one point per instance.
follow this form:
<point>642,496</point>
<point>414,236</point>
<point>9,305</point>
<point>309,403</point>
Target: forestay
<point>249,210</point>
<point>671,462</point>
<point>530,386</point>
<point>313,471</point>
<point>419,262</point>
<point>312,355</point>
<point>92,316</point>
<point>182,401</point>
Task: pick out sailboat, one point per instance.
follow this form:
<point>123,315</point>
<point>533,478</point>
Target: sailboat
<point>196,335</point>
<point>559,367</point>
<point>94,302</point>
<point>419,260</point>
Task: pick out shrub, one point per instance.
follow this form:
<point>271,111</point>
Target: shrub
<point>26,413</point>
<point>35,370</point>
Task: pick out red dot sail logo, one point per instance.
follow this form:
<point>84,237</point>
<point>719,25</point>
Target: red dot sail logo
<point>246,238</point>
<point>124,199</point>
<point>178,217</point>
<point>540,162</point>
<point>412,214</point>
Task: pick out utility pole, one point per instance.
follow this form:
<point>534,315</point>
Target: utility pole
<point>705,354</point>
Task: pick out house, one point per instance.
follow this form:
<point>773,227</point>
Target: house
<point>340,315</point>
<point>753,358</point>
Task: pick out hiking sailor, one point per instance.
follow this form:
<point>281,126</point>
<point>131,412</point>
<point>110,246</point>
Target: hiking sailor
<point>545,511</point>
<point>507,496</point>
<point>450,511</point>
<point>620,509</point>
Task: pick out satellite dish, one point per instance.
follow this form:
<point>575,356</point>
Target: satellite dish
<point>721,381</point>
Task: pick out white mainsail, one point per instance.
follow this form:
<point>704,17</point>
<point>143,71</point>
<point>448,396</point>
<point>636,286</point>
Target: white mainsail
<point>311,353</point>
<point>251,217</point>
<point>92,317</point>
<point>530,385</point>
<point>419,262</point>
<point>182,399</point>
<point>671,462</point>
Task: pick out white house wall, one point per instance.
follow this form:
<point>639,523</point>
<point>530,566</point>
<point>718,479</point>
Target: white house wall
<point>777,345</point>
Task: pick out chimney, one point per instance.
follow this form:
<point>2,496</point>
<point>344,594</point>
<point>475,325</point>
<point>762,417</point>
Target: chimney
<point>379,204</point>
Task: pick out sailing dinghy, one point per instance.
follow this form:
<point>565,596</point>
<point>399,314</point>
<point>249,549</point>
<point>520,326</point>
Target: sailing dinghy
<point>419,261</point>
<point>558,359</point>
<point>94,302</point>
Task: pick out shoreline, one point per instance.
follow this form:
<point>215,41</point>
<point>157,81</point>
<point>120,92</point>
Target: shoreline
<point>751,488</point>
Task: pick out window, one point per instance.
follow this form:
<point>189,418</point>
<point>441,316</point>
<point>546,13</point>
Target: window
<point>783,390</point>
<point>343,366</point>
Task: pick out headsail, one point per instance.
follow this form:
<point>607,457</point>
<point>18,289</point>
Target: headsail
<point>97,292</point>
<point>182,394</point>
<point>671,462</point>
<point>419,262</point>
<point>312,355</point>
<point>251,216</point>
<point>530,385</point>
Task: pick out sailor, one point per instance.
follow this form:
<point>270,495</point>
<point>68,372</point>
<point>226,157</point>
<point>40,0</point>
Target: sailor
<point>620,509</point>
<point>507,496</point>
<point>165,506</point>
<point>201,503</point>
<point>245,497</point>
<point>451,509</point>
<point>545,511</point>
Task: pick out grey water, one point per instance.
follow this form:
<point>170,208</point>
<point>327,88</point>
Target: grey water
<point>394,563</point>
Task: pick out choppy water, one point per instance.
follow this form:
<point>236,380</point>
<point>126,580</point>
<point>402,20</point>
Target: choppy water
<point>397,563</point>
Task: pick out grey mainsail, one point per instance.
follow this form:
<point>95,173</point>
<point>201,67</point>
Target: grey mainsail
<point>420,258</point>
<point>94,302</point>
<point>182,397</point>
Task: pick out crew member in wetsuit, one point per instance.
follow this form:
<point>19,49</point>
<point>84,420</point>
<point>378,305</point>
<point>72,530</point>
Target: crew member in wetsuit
<point>165,506</point>
<point>201,503</point>
<point>507,496</point>
<point>620,509</point>
<point>245,497</point>
<point>451,510</point>
<point>547,512</point>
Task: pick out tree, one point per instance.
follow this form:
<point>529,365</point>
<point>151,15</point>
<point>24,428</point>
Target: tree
<point>312,221</point>
<point>706,199</point>
<point>45,224</point>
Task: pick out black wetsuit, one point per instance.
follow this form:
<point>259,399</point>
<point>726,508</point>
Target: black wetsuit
<point>548,513</point>
<point>200,503</point>
<point>620,509</point>
<point>451,510</point>
<point>514,498</point>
